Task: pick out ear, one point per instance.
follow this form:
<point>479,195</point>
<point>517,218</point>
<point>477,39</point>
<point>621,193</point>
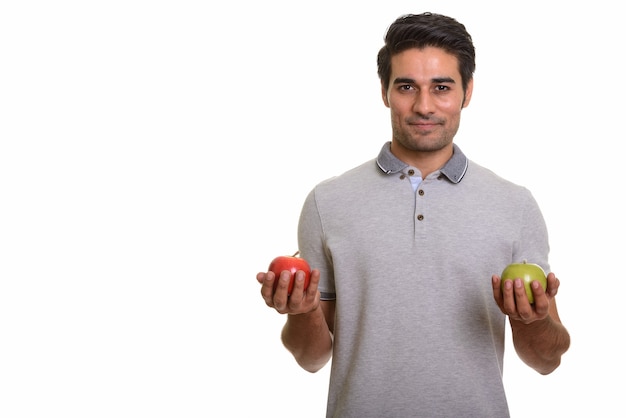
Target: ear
<point>383,92</point>
<point>468,93</point>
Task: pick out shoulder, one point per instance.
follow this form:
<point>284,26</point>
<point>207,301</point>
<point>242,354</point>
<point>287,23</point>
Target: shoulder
<point>481,178</point>
<point>479,173</point>
<point>349,180</point>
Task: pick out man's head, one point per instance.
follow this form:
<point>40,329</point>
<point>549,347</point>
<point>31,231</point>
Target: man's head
<point>426,72</point>
<point>423,30</point>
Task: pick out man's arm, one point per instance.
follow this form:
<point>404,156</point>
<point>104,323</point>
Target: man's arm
<point>307,333</point>
<point>539,337</point>
<point>540,344</point>
<point>309,337</point>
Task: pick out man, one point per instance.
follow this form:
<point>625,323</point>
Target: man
<point>403,247</point>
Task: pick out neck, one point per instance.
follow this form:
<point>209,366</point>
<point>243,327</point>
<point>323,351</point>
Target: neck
<point>425,161</point>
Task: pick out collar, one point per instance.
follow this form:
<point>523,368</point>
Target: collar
<point>454,169</point>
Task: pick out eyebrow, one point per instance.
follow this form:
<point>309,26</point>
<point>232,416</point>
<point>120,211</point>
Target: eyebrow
<point>438,80</point>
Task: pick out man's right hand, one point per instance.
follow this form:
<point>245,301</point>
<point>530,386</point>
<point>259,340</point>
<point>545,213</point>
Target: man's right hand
<point>300,301</point>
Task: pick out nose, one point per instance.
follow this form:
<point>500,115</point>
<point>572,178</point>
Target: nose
<point>423,104</point>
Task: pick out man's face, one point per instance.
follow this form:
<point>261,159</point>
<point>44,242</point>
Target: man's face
<point>425,97</point>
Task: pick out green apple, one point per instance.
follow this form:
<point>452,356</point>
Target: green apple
<point>528,272</point>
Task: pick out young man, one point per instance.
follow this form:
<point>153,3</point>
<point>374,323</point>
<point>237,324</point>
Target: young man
<point>404,295</point>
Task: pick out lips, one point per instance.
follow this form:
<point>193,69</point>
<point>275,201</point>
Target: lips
<point>424,126</point>
<point>424,123</point>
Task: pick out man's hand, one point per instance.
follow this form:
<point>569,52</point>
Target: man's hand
<point>539,337</point>
<point>513,301</point>
<point>301,301</point>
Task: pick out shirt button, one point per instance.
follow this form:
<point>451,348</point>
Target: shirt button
<point>420,217</point>
<point>420,192</point>
<point>411,172</point>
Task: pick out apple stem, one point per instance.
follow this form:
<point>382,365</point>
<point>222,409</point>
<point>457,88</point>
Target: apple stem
<point>524,261</point>
<point>296,253</point>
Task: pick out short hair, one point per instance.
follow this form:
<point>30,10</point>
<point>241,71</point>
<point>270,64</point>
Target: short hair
<point>424,30</point>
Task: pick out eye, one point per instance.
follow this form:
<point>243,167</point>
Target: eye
<point>405,87</point>
<point>441,87</point>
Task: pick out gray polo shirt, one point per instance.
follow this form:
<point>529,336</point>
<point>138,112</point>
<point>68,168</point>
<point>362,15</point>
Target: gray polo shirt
<point>417,332</point>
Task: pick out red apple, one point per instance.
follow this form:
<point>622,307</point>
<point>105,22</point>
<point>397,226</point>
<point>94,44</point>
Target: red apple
<point>291,263</point>
<point>528,272</point>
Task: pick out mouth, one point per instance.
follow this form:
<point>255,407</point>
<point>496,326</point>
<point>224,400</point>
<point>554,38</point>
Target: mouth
<point>424,125</point>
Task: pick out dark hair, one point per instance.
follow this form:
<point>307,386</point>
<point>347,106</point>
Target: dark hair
<point>423,30</point>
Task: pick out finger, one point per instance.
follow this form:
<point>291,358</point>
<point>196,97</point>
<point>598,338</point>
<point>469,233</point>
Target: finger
<point>497,289</point>
<point>538,292</point>
<point>267,288</point>
<point>553,285</point>
<point>298,292</point>
<point>281,296</point>
<point>260,277</point>
<point>314,282</point>
<point>524,309</point>
<point>542,303</point>
<point>508,298</point>
<point>298,283</point>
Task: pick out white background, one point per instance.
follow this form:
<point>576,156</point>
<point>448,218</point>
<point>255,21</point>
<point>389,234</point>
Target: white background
<point>154,156</point>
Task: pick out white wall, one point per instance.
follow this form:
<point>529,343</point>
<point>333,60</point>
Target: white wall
<point>154,157</point>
